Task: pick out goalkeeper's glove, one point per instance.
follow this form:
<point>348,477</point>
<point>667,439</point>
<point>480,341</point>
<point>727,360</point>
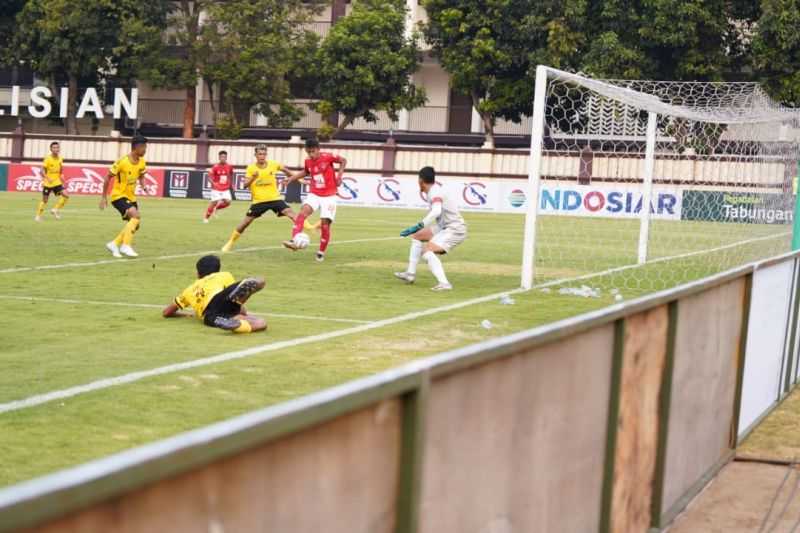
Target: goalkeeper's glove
<point>412,229</point>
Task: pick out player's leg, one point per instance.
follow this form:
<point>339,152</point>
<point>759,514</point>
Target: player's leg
<point>289,213</point>
<point>327,214</point>
<point>245,289</point>
<point>418,241</point>
<point>134,221</point>
<point>212,206</point>
<point>62,200</point>
<point>42,204</point>
<point>299,219</point>
<point>252,214</point>
<point>441,243</point>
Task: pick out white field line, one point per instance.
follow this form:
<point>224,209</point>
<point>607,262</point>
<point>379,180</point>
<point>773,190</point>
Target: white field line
<point>157,306</point>
<point>39,399</point>
<point>239,354</point>
<point>174,256</point>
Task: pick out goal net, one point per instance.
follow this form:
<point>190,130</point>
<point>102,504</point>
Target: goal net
<point>641,185</point>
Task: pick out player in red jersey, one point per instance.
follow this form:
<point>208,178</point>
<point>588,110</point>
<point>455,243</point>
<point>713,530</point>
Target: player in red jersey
<point>221,176</point>
<point>323,185</point>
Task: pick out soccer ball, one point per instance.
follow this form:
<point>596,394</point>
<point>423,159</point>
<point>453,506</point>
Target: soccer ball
<point>301,240</point>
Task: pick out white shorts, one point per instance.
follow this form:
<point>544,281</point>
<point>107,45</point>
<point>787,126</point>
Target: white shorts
<point>216,195</point>
<point>448,238</point>
<point>326,205</point>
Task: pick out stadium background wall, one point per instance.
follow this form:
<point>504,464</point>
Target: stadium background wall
<point>621,417</point>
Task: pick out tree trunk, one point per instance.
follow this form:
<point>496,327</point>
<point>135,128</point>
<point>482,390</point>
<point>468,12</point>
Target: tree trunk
<point>348,119</point>
<point>188,112</point>
<point>487,119</point>
<point>71,122</point>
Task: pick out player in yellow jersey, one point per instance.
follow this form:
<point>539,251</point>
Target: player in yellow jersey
<point>52,181</point>
<point>124,174</point>
<point>218,299</point>
<point>262,180</point>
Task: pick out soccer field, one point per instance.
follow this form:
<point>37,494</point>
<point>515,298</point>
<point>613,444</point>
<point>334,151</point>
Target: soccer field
<point>89,367</point>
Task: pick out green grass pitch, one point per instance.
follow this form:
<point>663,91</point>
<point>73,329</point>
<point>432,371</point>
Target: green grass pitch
<point>89,317</point>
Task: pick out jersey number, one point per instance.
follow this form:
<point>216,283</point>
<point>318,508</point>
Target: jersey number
<point>223,179</point>
<point>319,180</point>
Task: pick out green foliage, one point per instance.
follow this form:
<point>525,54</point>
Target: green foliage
<point>491,48</point>
<point>8,25</point>
<point>252,48</point>
<point>777,49</point>
<point>227,127</point>
<point>365,64</point>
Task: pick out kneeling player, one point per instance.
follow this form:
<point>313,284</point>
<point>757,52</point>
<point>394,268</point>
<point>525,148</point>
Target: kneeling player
<point>440,231</point>
<point>218,299</point>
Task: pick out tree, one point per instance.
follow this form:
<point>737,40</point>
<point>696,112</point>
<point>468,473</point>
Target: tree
<point>366,63</point>
<point>87,40</point>
<point>177,63</point>
<point>252,49</point>
<point>667,39</point>
<point>776,47</point>
<point>491,48</point>
<point>9,9</point>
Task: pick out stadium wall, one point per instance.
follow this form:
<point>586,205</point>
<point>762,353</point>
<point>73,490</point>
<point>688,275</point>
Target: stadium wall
<point>609,421</point>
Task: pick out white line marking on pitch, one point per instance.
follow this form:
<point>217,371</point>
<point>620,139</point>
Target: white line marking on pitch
<point>230,356</point>
<point>39,399</point>
<point>174,256</point>
<point>156,306</point>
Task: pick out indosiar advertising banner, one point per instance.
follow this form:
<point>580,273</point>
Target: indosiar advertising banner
<point>511,196</point>
<point>79,179</point>
<point>196,184</point>
<point>738,207</point>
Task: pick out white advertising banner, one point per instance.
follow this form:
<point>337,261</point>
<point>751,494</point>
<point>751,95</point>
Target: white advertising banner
<point>766,336</point>
<point>510,196</point>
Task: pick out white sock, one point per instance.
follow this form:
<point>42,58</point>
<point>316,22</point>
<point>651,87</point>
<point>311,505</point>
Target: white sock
<point>414,255</point>
<point>436,267</point>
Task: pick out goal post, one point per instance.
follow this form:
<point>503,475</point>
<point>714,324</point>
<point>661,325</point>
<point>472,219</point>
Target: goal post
<point>646,184</point>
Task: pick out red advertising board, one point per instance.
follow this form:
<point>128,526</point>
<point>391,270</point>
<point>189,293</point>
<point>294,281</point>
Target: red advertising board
<point>79,179</point>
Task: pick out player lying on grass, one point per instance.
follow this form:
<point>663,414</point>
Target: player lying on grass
<point>323,185</point>
<point>52,181</point>
<point>262,179</point>
<point>440,231</point>
<point>218,300</point>
<point>220,177</point>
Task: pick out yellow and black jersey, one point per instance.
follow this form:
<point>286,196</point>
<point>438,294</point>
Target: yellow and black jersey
<point>199,294</point>
<point>264,188</point>
<point>126,173</point>
<point>52,166</point>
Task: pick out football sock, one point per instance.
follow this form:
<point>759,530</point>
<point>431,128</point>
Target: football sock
<point>61,201</point>
<point>234,237</point>
<point>129,230</point>
<point>436,267</point>
<point>222,205</point>
<point>325,238</point>
<point>210,210</point>
<point>40,208</point>
<point>298,224</point>
<point>414,255</point>
<point>244,327</point>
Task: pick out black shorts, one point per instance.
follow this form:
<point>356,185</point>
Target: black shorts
<point>122,205</point>
<point>276,206</point>
<point>221,308</point>
<point>57,190</point>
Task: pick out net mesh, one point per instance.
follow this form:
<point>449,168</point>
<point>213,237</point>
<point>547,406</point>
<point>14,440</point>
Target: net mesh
<point>725,155</point>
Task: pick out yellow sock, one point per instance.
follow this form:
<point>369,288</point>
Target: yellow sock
<point>130,229</point>
<point>118,238</point>
<point>244,327</point>
<point>40,209</point>
<point>234,236</point>
<point>61,201</point>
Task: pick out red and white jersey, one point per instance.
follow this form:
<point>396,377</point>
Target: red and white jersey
<point>322,174</point>
<point>221,177</point>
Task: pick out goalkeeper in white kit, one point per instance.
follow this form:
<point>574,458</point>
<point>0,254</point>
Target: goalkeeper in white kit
<point>440,231</point>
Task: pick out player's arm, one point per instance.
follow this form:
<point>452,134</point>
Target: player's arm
<point>340,173</point>
<point>104,195</point>
<point>430,218</point>
<point>294,176</point>
<point>174,308</point>
<point>249,178</point>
